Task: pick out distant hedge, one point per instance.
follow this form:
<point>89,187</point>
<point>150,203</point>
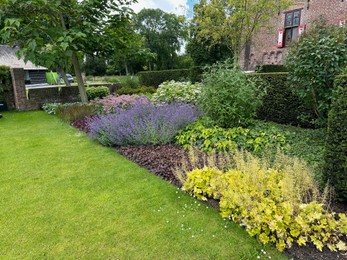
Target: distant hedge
<point>280,105</point>
<point>155,78</point>
<point>268,68</point>
<point>137,91</point>
<point>335,169</point>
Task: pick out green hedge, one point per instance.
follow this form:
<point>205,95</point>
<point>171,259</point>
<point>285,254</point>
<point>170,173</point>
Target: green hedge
<point>5,80</point>
<point>268,68</point>
<point>280,105</point>
<point>196,74</point>
<point>155,78</point>
<point>97,92</point>
<point>335,170</point>
<point>139,90</point>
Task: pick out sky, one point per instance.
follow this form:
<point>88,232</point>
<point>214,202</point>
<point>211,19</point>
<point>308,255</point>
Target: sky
<point>179,7</point>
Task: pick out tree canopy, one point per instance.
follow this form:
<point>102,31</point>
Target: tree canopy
<point>234,22</point>
<point>53,33</point>
<point>163,34</point>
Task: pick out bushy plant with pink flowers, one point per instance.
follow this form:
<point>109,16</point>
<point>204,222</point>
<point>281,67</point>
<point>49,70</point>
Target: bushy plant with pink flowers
<point>110,103</point>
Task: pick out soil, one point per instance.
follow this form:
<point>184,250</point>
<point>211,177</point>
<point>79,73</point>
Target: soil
<point>162,160</point>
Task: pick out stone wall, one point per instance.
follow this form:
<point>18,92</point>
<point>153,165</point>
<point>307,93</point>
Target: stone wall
<point>264,49</point>
<point>34,98</point>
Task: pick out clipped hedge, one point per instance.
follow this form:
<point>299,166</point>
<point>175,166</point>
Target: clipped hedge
<point>280,104</point>
<point>335,170</point>
<point>139,90</point>
<point>196,74</point>
<point>97,92</point>
<point>155,78</point>
<point>268,68</point>
<point>5,80</point>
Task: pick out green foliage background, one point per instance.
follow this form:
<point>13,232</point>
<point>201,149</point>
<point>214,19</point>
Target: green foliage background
<point>335,169</point>
<point>313,64</point>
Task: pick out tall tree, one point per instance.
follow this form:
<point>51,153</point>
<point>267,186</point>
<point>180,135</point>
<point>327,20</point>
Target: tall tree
<point>163,34</point>
<point>234,22</point>
<point>55,32</point>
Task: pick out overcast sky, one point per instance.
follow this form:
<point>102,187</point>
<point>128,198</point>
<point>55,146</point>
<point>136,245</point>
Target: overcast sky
<point>180,7</point>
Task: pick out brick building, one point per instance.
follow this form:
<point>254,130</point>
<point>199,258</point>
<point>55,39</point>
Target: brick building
<point>270,46</point>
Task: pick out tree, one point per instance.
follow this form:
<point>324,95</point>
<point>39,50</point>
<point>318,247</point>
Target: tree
<point>55,33</point>
<point>313,63</point>
<point>163,34</point>
<point>203,53</point>
<point>94,65</point>
<point>234,22</point>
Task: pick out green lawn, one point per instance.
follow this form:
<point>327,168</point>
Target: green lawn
<point>65,196</point>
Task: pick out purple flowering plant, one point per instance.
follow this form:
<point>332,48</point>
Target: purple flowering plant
<point>142,123</point>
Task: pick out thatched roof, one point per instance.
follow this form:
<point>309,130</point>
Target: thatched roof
<point>9,58</point>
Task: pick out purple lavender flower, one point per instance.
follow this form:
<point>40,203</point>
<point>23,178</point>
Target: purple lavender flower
<point>142,123</point>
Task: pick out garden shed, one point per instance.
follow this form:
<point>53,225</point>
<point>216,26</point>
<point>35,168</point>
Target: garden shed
<point>27,87</point>
<point>33,74</point>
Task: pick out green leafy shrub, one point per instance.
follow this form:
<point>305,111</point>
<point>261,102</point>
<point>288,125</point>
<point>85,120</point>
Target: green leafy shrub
<point>280,104</point>
<point>131,82</point>
<point>139,90</point>
<point>212,138</point>
<point>268,68</point>
<point>97,92</point>
<point>313,64</point>
<point>277,201</point>
<point>228,96</point>
<point>185,92</point>
<point>155,78</point>
<point>335,169</point>
<point>5,79</point>
<point>50,108</point>
<point>72,112</point>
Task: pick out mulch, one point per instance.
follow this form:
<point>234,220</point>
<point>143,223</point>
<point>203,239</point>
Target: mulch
<point>163,159</point>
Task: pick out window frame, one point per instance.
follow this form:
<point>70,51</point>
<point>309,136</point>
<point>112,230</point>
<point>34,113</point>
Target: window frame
<point>290,28</point>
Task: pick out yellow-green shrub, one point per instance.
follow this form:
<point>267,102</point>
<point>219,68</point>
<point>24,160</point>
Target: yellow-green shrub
<point>278,202</point>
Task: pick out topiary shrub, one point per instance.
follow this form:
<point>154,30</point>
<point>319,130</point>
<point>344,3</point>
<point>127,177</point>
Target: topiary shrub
<point>280,104</point>
<point>335,170</point>
<point>228,96</point>
<point>196,73</point>
<point>155,78</point>
<point>97,92</point>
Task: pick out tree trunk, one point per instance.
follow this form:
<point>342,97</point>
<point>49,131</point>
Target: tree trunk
<point>63,75</point>
<point>126,68</point>
<point>81,88</point>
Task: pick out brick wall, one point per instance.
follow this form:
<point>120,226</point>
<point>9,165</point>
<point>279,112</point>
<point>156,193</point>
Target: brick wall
<point>37,97</point>
<point>263,48</point>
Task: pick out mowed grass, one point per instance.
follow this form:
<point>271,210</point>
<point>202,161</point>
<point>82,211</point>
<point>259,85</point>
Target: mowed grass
<point>64,196</point>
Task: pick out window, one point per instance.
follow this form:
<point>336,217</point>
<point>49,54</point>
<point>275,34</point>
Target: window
<point>291,26</point>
